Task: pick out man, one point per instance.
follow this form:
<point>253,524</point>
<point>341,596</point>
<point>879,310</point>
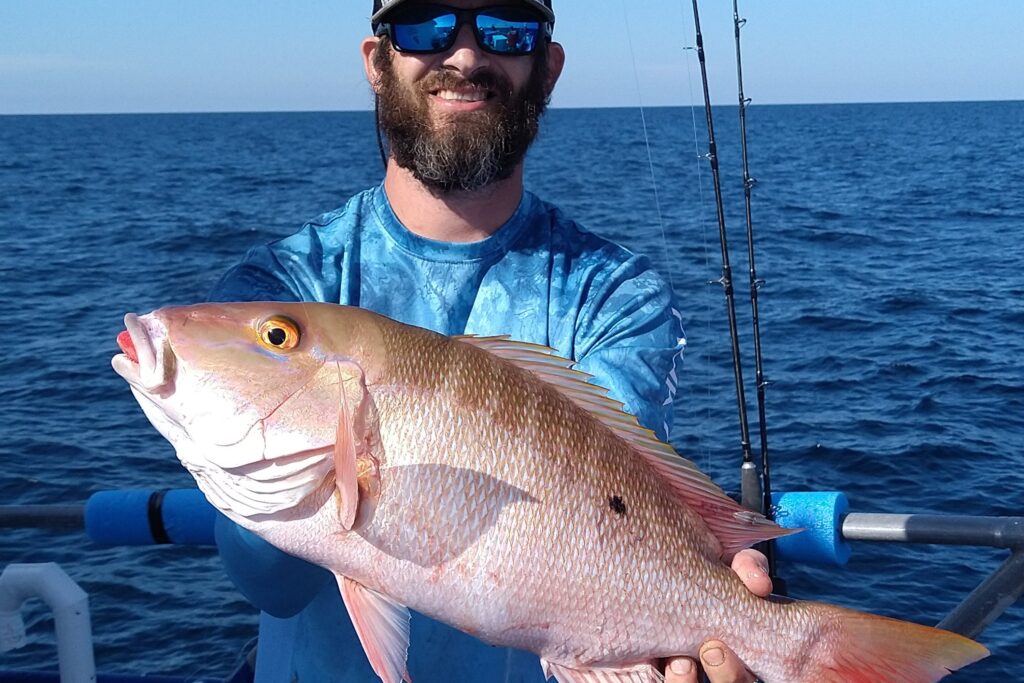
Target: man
<point>452,242</point>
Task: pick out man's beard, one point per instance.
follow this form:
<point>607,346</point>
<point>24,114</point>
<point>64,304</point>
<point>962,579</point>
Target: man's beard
<point>460,152</point>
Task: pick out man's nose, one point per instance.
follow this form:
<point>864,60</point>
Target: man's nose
<point>465,54</point>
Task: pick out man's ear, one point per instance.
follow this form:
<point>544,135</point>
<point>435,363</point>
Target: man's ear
<point>556,60</point>
<point>369,51</point>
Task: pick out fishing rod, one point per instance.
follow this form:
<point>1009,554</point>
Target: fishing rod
<point>755,286</point>
<point>750,483</point>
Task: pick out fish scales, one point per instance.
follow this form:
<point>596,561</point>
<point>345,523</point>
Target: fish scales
<point>573,470</point>
<point>603,566</point>
<point>463,479</point>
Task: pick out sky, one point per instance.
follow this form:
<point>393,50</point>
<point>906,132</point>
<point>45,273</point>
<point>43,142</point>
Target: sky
<point>103,56</point>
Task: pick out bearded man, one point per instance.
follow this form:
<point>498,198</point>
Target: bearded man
<point>451,241</point>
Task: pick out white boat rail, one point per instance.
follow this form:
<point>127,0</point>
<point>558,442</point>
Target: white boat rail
<point>70,607</point>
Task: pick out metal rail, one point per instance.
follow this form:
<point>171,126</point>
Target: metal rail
<point>988,601</point>
<point>69,517</point>
<point>993,596</point>
<point>997,532</point>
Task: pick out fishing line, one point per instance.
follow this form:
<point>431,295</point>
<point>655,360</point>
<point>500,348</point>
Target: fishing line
<point>705,447</point>
<point>673,379</point>
<point>650,154</point>
<point>705,444</point>
<point>647,138</point>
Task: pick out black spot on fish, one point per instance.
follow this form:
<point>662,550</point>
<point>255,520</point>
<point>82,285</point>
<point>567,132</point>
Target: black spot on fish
<point>617,505</point>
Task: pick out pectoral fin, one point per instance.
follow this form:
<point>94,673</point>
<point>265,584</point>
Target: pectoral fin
<point>641,673</point>
<point>356,472</point>
<point>383,628</point>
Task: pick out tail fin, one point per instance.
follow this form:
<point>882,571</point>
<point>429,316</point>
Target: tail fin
<point>873,649</point>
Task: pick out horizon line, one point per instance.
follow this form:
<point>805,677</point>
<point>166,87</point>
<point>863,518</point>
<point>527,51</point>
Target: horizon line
<point>553,108</point>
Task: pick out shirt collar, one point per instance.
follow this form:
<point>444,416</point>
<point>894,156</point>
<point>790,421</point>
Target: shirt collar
<point>437,250</point>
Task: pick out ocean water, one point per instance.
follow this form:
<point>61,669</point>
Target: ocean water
<point>891,238</point>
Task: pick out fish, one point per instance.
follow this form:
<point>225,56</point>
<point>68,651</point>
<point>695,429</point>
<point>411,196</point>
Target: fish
<point>488,484</point>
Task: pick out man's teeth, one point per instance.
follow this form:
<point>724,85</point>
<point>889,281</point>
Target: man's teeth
<point>473,96</point>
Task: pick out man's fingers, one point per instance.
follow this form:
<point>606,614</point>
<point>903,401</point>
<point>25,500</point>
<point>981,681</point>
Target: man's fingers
<point>722,665</point>
<point>681,670</point>
<point>752,568</point>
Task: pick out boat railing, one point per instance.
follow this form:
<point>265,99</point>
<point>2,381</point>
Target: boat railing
<point>184,517</point>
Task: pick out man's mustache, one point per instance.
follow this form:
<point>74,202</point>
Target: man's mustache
<point>484,79</point>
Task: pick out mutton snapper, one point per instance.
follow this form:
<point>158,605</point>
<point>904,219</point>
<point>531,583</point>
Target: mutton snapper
<point>484,483</point>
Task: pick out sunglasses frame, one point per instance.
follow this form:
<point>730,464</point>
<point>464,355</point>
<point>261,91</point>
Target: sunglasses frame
<point>469,16</point>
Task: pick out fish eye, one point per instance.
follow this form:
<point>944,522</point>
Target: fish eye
<point>279,334</point>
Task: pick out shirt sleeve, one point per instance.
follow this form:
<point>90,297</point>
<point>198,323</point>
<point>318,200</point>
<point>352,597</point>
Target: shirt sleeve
<point>630,338</point>
<point>305,266</point>
<point>258,277</point>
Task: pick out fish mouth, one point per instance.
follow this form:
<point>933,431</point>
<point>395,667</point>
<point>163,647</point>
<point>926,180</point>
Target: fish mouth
<point>146,362</point>
<point>124,340</point>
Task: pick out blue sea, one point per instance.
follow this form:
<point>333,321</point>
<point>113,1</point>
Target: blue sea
<point>890,236</point>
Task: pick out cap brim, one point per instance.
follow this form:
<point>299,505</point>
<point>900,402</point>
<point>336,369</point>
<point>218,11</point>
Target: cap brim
<point>376,16</point>
<point>542,8</point>
<point>536,4</point>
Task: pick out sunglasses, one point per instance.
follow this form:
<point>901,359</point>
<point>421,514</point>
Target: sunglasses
<point>511,30</point>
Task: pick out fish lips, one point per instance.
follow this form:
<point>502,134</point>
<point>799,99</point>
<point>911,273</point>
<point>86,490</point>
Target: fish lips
<point>147,363</point>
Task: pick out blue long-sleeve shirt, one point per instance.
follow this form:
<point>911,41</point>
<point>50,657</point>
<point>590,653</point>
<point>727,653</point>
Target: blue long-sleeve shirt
<point>539,278</point>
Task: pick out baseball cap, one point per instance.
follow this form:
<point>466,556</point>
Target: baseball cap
<point>382,7</point>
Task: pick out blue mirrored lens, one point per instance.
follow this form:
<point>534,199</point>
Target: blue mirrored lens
<point>509,30</point>
<point>507,35</point>
<point>431,35</point>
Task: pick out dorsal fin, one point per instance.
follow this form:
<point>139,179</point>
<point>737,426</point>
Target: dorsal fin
<point>734,526</point>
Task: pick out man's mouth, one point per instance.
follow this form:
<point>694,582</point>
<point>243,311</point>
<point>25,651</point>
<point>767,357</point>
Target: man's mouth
<point>463,95</point>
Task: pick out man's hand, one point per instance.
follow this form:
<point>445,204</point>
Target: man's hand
<point>720,663</point>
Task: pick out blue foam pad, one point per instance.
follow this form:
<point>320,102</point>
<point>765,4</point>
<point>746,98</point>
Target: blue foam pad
<point>820,514</point>
<point>118,518</point>
<point>181,516</point>
<point>189,517</point>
